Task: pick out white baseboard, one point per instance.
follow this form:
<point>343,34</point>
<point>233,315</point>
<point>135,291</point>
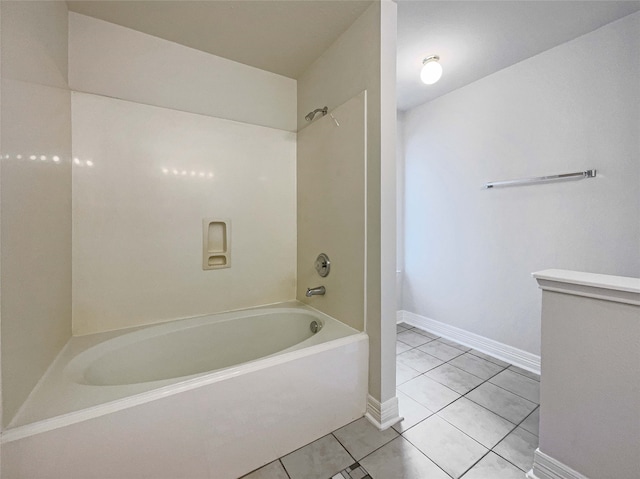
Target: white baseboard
<point>515,356</point>
<point>382,415</point>
<point>546,467</point>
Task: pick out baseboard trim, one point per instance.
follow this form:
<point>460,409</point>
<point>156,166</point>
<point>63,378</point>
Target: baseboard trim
<point>382,415</point>
<point>546,467</point>
<point>515,356</point>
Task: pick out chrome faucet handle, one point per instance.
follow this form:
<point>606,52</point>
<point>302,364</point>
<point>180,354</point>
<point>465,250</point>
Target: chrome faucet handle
<point>323,265</point>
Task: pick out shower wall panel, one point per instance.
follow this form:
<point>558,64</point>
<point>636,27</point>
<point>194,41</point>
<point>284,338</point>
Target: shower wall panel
<point>35,173</point>
<point>144,179</point>
<point>331,210</point>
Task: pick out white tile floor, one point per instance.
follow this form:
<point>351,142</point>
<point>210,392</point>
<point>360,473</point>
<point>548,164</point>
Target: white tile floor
<point>466,415</point>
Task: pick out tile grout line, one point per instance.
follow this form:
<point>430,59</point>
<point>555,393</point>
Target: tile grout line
<point>475,463</point>
<point>343,446</point>
<point>284,468</point>
<point>305,445</point>
<point>510,462</point>
<point>474,375</point>
<point>517,426</point>
<point>422,452</point>
<point>487,381</point>
<point>499,415</point>
<point>522,422</point>
<point>514,393</point>
<point>377,448</point>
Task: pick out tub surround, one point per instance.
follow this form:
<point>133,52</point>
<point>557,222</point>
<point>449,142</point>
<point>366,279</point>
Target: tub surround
<point>333,155</point>
<point>36,195</point>
<point>171,170</point>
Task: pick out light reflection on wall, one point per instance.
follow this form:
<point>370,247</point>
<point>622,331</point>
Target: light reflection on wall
<point>79,162</point>
<point>187,173</point>
<point>46,158</point>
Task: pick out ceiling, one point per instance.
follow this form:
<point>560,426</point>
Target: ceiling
<point>472,38</point>
<point>280,36</point>
<point>477,38</point>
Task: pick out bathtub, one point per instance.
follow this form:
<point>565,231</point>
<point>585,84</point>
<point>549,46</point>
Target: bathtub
<point>208,397</point>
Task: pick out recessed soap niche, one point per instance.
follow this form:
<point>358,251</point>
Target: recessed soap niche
<point>216,251</point>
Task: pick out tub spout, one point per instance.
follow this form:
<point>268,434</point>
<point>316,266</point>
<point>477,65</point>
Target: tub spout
<point>315,291</point>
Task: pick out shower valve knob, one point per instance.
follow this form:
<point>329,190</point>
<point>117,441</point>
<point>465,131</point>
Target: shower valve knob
<point>323,265</point>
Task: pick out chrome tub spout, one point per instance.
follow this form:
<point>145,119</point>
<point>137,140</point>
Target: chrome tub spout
<point>315,291</point>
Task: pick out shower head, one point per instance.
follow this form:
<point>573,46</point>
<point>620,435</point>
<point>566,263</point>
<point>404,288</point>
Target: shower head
<point>312,114</point>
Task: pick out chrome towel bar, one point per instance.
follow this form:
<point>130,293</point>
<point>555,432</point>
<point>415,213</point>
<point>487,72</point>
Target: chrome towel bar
<point>542,179</point>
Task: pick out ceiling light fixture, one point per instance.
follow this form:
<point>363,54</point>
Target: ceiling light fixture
<point>431,70</point>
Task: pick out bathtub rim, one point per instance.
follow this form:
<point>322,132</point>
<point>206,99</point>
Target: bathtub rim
<point>10,434</point>
<point>67,419</point>
<point>77,345</point>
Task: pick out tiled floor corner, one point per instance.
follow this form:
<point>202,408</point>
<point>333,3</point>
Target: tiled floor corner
<point>466,415</point>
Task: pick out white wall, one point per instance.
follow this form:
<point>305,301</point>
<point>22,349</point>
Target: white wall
<point>146,69</point>
<point>399,209</point>
<point>35,194</point>
<point>363,58</point>
<point>469,252</point>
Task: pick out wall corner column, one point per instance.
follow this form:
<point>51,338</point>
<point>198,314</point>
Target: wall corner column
<point>382,404</point>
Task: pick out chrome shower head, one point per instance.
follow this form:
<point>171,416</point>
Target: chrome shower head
<point>312,114</point>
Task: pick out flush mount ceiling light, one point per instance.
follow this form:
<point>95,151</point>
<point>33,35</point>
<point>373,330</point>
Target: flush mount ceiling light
<point>431,70</point>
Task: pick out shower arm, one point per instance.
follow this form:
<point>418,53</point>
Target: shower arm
<point>310,116</point>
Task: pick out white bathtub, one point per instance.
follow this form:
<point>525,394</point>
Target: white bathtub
<point>209,397</point>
